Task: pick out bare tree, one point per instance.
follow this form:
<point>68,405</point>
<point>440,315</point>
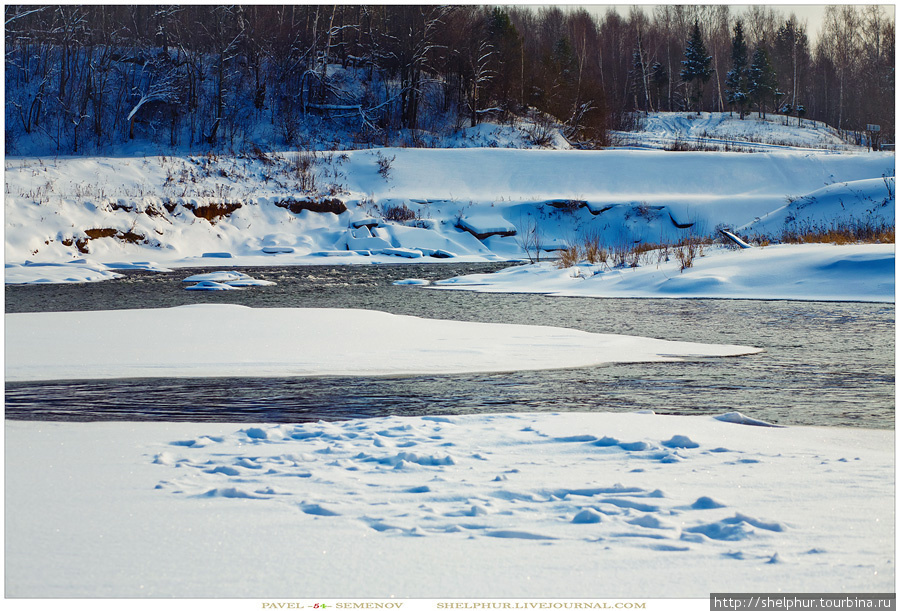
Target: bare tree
<point>840,40</point>
<point>158,82</point>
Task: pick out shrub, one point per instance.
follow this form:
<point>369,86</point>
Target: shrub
<point>593,251</point>
<point>687,250</point>
<point>399,213</point>
<point>529,237</point>
<point>303,168</point>
<point>384,164</point>
<point>569,256</point>
<point>619,253</point>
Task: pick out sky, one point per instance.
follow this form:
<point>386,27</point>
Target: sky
<point>810,13</point>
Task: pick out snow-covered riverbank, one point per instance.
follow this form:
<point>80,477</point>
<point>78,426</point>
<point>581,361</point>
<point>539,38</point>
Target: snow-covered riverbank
<point>810,272</point>
<point>416,204</point>
<point>575,505</point>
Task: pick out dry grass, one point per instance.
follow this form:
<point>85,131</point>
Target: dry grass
<point>844,232</point>
<point>689,249</point>
<point>569,256</point>
<point>592,250</point>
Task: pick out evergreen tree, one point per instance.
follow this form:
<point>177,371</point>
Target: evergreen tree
<point>736,79</point>
<point>790,55</point>
<point>659,78</point>
<point>696,64</point>
<point>762,85</point>
<point>507,58</point>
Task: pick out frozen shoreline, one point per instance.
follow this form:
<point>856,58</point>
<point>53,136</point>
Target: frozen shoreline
<point>807,272</point>
<point>552,505</point>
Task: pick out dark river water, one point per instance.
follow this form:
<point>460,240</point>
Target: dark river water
<point>824,363</point>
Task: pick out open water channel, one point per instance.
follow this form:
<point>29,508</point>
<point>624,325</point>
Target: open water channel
<point>829,364</point>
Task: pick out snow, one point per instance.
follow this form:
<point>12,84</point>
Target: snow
<point>486,224</point>
<point>55,273</point>
<point>208,285</point>
<point>217,340</point>
<point>570,505</point>
<point>478,506</point>
<point>222,276</point>
<point>227,213</point>
<point>728,131</point>
<point>407,253</point>
<point>859,201</point>
<point>808,272</point>
<point>224,280</point>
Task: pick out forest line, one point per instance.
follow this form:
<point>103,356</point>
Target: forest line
<point>82,79</point>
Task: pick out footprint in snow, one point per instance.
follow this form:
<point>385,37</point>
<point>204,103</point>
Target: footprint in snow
<point>314,509</point>
<point>516,534</point>
<point>230,493</point>
<point>650,521</point>
<point>587,516</point>
<point>634,446</point>
<point>606,442</point>
<point>681,441</point>
<point>705,502</point>
<point>575,439</point>
<point>662,547</point>
<point>230,471</point>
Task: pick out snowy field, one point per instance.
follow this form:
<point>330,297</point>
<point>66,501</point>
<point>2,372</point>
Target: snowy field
<point>574,505</point>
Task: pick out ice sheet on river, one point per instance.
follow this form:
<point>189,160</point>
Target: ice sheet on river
<point>215,340</point>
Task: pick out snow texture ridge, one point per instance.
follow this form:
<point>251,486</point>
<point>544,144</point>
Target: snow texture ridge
<point>465,506</point>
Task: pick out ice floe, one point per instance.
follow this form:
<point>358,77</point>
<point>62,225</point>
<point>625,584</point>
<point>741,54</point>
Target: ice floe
<point>188,341</point>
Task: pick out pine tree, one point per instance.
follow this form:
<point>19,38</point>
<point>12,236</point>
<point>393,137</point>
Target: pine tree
<point>761,79</point>
<point>659,78</point>
<point>696,64</point>
<point>736,79</point>
<point>790,55</point>
<point>507,58</point>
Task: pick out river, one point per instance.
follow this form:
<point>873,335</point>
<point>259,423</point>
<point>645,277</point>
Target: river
<point>825,363</point>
